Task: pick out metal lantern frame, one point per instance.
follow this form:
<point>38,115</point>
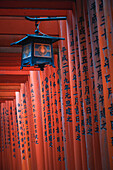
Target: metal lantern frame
<point>43,43</point>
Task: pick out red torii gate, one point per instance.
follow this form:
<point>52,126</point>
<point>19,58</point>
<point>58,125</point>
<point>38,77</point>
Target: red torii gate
<point>60,118</point>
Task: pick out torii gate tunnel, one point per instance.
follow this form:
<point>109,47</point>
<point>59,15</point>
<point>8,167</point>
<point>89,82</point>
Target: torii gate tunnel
<point>60,118</point>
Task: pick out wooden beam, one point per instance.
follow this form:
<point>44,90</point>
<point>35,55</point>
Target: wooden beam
<point>7,94</point>
<point>2,100</point>
<point>14,72</point>
<point>17,68</point>
<point>13,78</point>
<point>6,40</point>
<point>10,90</point>
<point>9,87</point>
<point>63,5</point>
<point>21,26</point>
<point>9,84</point>
<point>10,55</point>
<point>32,12</point>
<point>10,49</point>
<point>9,63</point>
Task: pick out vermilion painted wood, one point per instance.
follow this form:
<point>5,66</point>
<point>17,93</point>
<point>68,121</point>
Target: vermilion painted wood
<point>37,112</point>
<point>56,134</point>
<point>95,117</point>
<point>2,98</point>
<point>79,89</point>
<point>47,119</point>
<point>100,108</point>
<point>33,13</point>
<point>17,138</point>
<point>73,93</point>
<point>98,82</point>
<point>55,115</point>
<point>58,98</point>
<point>10,56</point>
<point>52,119</point>
<point>107,84</point>
<point>3,137</point>
<point>9,84</point>
<point>17,68</point>
<point>9,88</point>
<point>6,135</point>
<point>10,64</point>
<point>21,26</point>
<point>11,143</point>
<point>0,141</point>
<point>14,72</point>
<point>86,105</point>
<point>14,138</point>
<point>7,94</point>
<point>12,90</point>
<point>109,12</point>
<point>35,4</point>
<point>67,118</point>
<point>26,126</point>
<point>31,126</point>
<point>13,79</point>
<point>20,126</point>
<point>109,26</point>
<point>46,157</point>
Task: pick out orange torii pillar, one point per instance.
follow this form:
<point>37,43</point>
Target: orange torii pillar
<point>85,85</point>
<point>16,135</point>
<point>21,132</point>
<point>44,122</point>
<point>2,135</point>
<point>0,139</point>
<point>48,120</point>
<point>55,85</point>
<point>75,98</point>
<point>4,165</point>
<point>107,67</point>
<point>96,58</point>
<point>26,125</point>
<point>66,103</point>
<point>95,118</point>
<point>37,111</point>
<point>79,108</point>
<point>31,125</point>
<point>12,137</point>
<point>56,78</point>
<point>7,136</point>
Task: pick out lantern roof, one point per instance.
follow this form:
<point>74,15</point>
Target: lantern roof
<point>37,38</point>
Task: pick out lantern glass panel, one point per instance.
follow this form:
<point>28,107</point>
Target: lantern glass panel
<point>42,50</point>
<point>26,51</point>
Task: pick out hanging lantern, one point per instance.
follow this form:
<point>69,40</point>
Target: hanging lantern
<point>37,49</point>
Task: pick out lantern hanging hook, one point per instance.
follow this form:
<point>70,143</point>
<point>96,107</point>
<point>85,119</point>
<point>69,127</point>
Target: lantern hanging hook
<point>37,31</point>
<point>37,27</point>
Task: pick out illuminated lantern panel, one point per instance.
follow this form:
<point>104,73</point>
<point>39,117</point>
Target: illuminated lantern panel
<point>37,50</point>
